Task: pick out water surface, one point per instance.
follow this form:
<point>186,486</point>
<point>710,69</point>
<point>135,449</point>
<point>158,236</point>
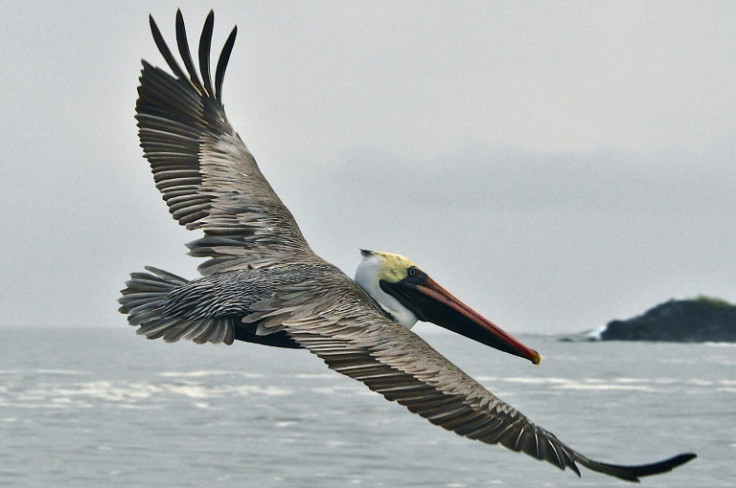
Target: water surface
<point>104,407</point>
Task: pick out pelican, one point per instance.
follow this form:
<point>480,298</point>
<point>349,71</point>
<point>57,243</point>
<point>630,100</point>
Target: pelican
<point>262,283</point>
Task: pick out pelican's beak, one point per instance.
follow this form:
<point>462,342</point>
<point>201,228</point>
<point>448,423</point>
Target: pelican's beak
<point>430,302</point>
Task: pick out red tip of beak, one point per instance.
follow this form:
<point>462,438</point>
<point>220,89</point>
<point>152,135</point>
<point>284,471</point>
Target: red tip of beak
<point>536,359</point>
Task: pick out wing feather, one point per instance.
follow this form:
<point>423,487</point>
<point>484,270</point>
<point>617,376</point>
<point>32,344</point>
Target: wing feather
<point>227,49</point>
<point>164,49</point>
<point>205,44</point>
<point>207,176</point>
<point>186,55</point>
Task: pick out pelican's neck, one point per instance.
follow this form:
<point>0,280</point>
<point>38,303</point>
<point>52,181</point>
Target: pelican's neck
<point>367,277</point>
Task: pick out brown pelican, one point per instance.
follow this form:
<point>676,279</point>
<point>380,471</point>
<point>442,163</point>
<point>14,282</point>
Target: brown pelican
<point>262,283</point>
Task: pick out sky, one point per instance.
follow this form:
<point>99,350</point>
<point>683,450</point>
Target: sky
<point>556,165</point>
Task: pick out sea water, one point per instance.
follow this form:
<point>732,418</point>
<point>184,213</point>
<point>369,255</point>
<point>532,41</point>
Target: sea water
<point>104,407</point>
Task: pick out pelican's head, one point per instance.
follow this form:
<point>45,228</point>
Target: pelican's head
<point>409,294</point>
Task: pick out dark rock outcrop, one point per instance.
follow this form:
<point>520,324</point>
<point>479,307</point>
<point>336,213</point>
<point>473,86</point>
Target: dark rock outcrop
<point>698,320</point>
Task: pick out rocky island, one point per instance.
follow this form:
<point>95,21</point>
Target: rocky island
<point>702,319</point>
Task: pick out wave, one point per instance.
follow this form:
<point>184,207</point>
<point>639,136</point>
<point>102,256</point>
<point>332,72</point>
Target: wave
<point>653,385</point>
<point>129,394</point>
<point>207,373</point>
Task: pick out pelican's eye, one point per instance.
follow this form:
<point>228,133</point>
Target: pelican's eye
<point>412,271</point>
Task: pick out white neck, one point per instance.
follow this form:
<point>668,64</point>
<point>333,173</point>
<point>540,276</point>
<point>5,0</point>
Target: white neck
<point>367,277</point>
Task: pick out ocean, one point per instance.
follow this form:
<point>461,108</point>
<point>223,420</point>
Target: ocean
<point>103,407</point>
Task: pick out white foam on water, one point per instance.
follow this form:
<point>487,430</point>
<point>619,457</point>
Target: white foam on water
<point>282,424</point>
<point>528,380</point>
<point>596,334</point>
<point>129,394</point>
<point>207,373</point>
<point>632,384</point>
<point>575,385</point>
<point>319,376</point>
<point>142,406</point>
<point>65,372</point>
<point>201,390</point>
<point>324,390</point>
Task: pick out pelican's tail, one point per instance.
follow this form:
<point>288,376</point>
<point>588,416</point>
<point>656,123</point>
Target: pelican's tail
<point>144,300</point>
<point>633,473</point>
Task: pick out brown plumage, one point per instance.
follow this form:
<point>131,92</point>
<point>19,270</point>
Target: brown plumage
<point>262,283</point>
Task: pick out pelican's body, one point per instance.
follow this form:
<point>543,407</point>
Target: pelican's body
<point>262,283</point>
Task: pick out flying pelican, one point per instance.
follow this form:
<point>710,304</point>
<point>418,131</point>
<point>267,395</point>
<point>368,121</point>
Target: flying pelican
<point>262,283</point>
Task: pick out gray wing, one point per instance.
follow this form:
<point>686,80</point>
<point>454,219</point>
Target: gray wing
<point>343,327</point>
<point>401,366</point>
<point>208,177</point>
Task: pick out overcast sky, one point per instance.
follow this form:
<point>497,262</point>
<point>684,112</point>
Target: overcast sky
<point>556,165</point>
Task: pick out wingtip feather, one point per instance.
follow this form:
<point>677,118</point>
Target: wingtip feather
<point>205,44</point>
<point>633,473</point>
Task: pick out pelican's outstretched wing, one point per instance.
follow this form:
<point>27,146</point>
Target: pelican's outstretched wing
<point>395,362</point>
<point>207,176</point>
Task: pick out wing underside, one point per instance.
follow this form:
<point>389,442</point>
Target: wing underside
<point>398,364</point>
<point>207,176</point>
<point>334,319</point>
